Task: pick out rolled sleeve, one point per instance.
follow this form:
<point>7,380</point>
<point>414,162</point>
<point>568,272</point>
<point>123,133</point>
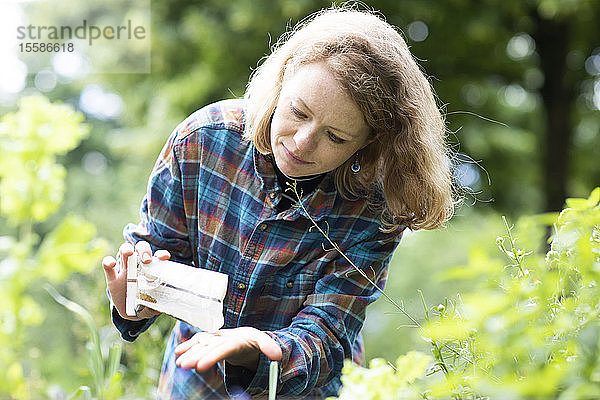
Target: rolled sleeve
<point>128,329</point>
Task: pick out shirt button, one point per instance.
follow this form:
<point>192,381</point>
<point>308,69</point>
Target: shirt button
<point>241,286</point>
<point>263,227</point>
<point>290,284</point>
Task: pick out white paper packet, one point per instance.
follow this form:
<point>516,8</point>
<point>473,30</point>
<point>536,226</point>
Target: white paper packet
<point>193,295</point>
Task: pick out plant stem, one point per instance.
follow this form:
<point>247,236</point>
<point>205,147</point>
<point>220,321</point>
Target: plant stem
<point>515,256</point>
<point>337,248</point>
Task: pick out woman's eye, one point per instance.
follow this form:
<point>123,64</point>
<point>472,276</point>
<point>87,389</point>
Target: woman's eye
<point>298,113</point>
<point>334,138</point>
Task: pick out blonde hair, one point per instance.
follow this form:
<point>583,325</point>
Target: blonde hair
<point>407,159</point>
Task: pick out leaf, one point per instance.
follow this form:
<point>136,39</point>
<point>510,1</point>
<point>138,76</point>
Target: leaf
<point>584,204</point>
<point>96,360</point>
<point>594,198</point>
<point>412,366</point>
<point>31,181</point>
<point>577,204</point>
<point>70,247</point>
<point>114,359</point>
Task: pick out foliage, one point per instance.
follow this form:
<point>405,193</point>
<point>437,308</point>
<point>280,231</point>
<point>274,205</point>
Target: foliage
<point>529,329</point>
<point>383,381</point>
<point>31,139</point>
<point>490,62</point>
<point>31,190</point>
<point>107,377</point>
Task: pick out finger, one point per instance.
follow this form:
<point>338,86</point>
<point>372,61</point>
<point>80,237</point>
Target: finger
<point>109,264</point>
<point>189,359</point>
<point>184,346</point>
<point>198,338</point>
<point>162,255</point>
<point>125,251</point>
<point>144,250</point>
<point>213,354</point>
<point>195,354</point>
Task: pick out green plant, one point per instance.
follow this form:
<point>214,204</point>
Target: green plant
<point>384,381</point>
<point>31,191</point>
<point>527,329</point>
<point>530,329</point>
<point>105,371</point>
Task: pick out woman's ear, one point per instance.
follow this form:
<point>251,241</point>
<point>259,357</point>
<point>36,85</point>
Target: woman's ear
<point>372,137</point>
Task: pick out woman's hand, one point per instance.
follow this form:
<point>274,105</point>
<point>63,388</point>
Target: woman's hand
<point>116,280</point>
<point>238,346</point>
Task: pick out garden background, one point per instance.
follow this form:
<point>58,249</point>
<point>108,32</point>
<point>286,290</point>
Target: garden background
<point>519,83</point>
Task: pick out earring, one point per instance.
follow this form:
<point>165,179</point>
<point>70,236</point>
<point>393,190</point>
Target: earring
<point>356,164</point>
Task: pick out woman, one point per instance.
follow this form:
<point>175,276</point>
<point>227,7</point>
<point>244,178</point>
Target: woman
<point>341,109</point>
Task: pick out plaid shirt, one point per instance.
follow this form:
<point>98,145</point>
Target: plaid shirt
<point>211,202</point>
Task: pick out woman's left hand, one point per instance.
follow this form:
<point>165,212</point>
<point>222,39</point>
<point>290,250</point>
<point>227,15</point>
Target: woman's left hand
<point>238,346</point>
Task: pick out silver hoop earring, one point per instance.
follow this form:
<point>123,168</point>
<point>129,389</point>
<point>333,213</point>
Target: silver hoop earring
<point>356,164</point>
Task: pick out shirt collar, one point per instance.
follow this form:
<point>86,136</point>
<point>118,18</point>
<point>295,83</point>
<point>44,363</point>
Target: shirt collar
<point>318,204</point>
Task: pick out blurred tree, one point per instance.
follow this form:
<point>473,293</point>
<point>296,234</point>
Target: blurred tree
<point>532,65</point>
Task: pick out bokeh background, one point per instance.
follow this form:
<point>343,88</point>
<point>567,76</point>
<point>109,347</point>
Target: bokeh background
<point>518,81</point>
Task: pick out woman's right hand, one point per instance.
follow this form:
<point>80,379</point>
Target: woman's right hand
<point>116,278</point>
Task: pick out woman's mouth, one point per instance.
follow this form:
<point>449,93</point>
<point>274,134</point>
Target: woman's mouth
<point>293,158</point>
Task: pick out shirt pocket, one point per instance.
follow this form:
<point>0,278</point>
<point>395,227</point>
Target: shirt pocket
<point>283,296</point>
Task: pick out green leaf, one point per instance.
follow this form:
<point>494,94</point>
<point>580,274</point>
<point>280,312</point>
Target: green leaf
<point>114,359</point>
<point>96,361</point>
<point>412,366</point>
<point>31,181</point>
<point>70,247</point>
<point>594,198</point>
<point>584,204</point>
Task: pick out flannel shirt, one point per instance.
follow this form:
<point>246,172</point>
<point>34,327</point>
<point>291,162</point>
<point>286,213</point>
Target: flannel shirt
<point>211,202</point>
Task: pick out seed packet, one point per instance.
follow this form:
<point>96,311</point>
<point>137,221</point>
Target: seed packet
<point>192,295</point>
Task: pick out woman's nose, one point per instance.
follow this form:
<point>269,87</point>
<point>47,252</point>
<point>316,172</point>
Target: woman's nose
<point>305,138</point>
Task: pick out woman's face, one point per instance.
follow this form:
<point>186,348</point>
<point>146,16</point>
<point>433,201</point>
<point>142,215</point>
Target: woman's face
<point>316,126</point>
